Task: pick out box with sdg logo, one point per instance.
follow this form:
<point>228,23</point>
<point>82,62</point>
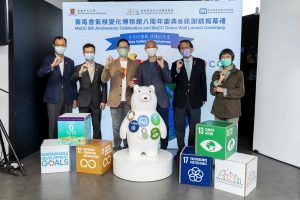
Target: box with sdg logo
<point>194,169</point>
<point>74,128</point>
<point>54,157</point>
<point>94,157</point>
<point>237,174</point>
<point>216,139</point>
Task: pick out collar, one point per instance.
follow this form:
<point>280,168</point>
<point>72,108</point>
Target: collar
<point>189,59</point>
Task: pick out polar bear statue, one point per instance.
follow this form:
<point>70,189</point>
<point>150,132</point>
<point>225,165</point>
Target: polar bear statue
<point>143,126</point>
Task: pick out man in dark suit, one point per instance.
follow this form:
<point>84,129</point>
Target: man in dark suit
<point>60,90</point>
<point>155,71</point>
<point>190,92</point>
<point>92,94</point>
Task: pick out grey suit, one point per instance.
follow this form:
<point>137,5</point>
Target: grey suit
<point>152,74</point>
<point>90,95</point>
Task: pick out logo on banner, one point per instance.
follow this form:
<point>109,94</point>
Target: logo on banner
<point>211,146</point>
<point>231,144</point>
<point>202,11</point>
<point>106,161</point>
<point>229,178</point>
<point>132,12</point>
<point>72,12</point>
<point>169,39</point>
<point>84,163</point>
<point>195,174</point>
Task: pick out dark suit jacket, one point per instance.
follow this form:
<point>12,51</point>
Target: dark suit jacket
<point>156,77</point>
<point>56,81</point>
<point>90,92</point>
<point>198,88</point>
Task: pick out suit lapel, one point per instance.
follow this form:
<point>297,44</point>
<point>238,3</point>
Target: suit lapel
<point>66,63</point>
<point>193,70</point>
<point>95,73</point>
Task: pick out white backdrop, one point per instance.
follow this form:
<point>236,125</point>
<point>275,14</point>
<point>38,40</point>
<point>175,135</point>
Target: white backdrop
<point>277,112</point>
<point>212,26</point>
<point>4,85</point>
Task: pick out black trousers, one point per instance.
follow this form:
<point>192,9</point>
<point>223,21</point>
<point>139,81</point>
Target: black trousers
<point>180,114</point>
<point>164,113</point>
<point>54,111</point>
<point>96,119</point>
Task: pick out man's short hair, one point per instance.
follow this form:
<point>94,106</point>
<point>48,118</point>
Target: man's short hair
<point>123,40</point>
<point>186,41</point>
<point>59,38</point>
<point>88,45</point>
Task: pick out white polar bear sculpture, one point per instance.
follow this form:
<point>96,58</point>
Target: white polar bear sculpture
<point>143,126</point>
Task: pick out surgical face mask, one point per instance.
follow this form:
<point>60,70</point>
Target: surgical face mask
<point>60,49</point>
<point>89,56</point>
<point>151,52</point>
<point>186,53</point>
<point>226,62</point>
<point>123,52</point>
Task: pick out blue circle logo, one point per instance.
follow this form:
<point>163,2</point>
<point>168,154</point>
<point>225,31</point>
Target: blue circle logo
<point>133,126</point>
<point>143,121</point>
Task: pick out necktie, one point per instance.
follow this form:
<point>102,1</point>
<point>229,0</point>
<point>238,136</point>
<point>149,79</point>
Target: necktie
<point>188,68</point>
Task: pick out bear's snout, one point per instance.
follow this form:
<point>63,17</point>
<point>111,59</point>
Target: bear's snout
<point>145,97</point>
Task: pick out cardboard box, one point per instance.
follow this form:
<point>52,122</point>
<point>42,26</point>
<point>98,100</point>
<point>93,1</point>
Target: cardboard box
<point>216,139</point>
<point>237,174</point>
<point>94,157</point>
<point>194,169</point>
<point>74,128</point>
<point>54,157</point>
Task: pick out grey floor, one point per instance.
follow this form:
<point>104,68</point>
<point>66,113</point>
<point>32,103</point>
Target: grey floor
<point>276,181</point>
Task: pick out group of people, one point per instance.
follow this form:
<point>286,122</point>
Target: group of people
<point>188,73</point>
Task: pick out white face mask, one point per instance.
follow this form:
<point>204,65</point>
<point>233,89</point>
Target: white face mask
<point>60,49</point>
<point>151,52</point>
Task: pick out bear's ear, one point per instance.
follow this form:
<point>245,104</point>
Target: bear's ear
<point>135,88</point>
<point>152,88</point>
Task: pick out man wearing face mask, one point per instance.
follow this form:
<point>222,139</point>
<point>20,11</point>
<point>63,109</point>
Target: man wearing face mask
<point>190,93</point>
<point>91,97</point>
<point>122,75</point>
<point>227,85</point>
<point>155,71</point>
<point>60,91</point>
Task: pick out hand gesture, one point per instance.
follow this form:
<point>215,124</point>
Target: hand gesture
<point>56,62</point>
<point>102,106</point>
<point>179,64</point>
<point>83,69</point>
<point>109,60</point>
<point>160,61</point>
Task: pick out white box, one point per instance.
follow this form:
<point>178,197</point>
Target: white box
<point>237,174</point>
<point>54,157</point>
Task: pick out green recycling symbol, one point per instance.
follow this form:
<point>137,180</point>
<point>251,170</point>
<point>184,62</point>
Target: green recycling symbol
<point>155,134</point>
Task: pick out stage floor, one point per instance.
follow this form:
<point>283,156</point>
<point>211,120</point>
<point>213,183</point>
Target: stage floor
<point>276,181</point>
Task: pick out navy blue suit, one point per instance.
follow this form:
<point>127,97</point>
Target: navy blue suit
<point>56,81</point>
<point>60,90</point>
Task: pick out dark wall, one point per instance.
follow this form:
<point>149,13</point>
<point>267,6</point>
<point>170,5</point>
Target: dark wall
<point>34,24</point>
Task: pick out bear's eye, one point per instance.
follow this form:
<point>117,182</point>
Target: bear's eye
<point>139,91</point>
<point>150,91</point>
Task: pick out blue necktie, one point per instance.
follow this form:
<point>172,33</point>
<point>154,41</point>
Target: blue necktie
<point>188,68</point>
